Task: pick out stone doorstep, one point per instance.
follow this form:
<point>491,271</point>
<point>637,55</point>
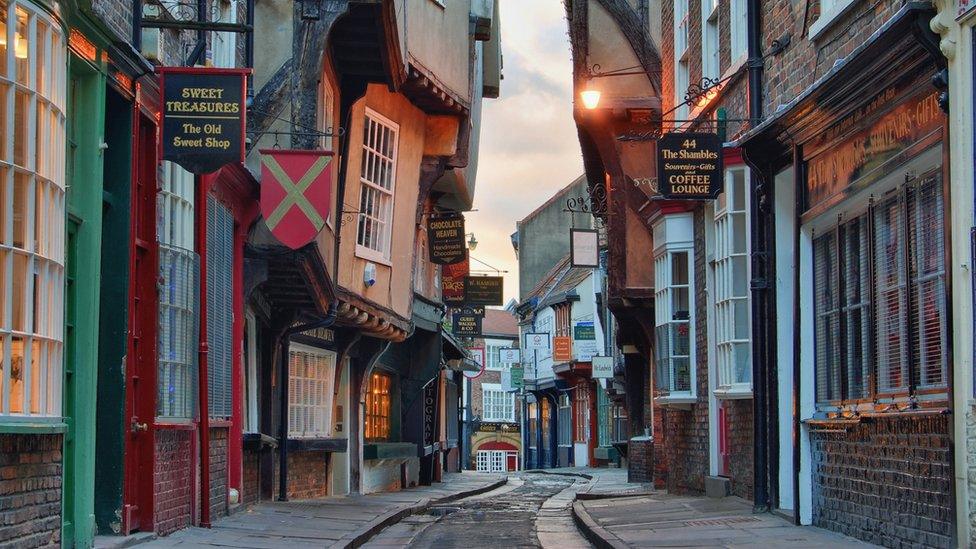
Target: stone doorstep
<point>120,542</point>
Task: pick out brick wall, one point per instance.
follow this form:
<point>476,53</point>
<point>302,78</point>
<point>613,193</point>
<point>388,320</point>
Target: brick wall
<point>738,413</point>
<point>308,475</point>
<point>173,480</point>
<point>887,481</point>
<point>218,472</point>
<point>117,16</point>
<point>30,490</point>
<point>251,480</point>
<point>640,454</point>
<point>660,455</point>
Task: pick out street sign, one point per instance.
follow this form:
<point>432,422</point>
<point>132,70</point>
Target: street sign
<point>689,166</point>
<point>518,377</point>
<point>478,355</point>
<point>296,194</point>
<point>509,356</point>
<point>536,341</point>
<point>602,367</point>
<point>506,380</point>
<point>452,282</point>
<point>584,340</point>
<point>584,248</point>
<point>562,349</point>
<point>203,116</point>
<point>483,290</point>
<point>445,238</point>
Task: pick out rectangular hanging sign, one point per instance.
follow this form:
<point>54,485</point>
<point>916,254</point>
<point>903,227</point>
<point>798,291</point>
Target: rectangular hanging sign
<point>204,117</point>
<point>689,166</point>
<point>536,341</point>
<point>562,349</point>
<point>509,356</point>
<point>483,290</point>
<point>452,282</point>
<point>584,248</point>
<point>467,321</point>
<point>584,340</point>
<point>445,238</point>
<point>602,367</point>
<point>518,377</point>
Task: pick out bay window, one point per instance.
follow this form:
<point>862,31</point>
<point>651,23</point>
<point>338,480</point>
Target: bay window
<point>733,356</point>
<point>880,324</point>
<point>496,404</point>
<point>377,177</point>
<point>311,376</point>
<point>32,212</point>
<point>673,306</point>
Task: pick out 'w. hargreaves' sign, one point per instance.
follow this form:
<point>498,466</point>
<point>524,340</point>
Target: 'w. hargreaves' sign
<point>689,166</point>
<point>203,116</point>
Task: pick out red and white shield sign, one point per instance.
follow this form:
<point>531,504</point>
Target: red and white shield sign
<point>296,193</point>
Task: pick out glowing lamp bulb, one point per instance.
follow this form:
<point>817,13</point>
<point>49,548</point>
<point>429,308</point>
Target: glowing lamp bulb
<point>20,47</point>
<point>591,98</point>
<point>3,34</point>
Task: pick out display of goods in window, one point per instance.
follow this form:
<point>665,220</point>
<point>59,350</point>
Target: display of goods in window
<point>452,281</point>
<point>483,290</point>
<point>445,238</point>
<point>689,166</point>
<point>203,116</point>
<point>296,194</point>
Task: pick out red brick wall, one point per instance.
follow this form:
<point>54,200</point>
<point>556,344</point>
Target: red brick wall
<point>308,475</point>
<point>218,472</point>
<point>173,480</point>
<point>252,478</point>
<point>30,490</point>
<point>738,413</point>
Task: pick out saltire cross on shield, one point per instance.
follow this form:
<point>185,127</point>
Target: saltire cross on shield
<point>296,193</point>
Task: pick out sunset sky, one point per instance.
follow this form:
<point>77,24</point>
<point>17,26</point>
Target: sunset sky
<point>529,148</point>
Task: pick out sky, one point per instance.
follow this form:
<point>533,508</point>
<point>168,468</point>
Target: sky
<point>529,149</point>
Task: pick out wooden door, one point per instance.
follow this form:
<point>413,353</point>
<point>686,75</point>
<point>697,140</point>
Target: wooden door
<point>143,307</point>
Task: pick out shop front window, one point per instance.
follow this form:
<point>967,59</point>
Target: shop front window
<point>673,307</point>
<point>378,406</point>
<point>582,401</point>
<point>311,376</point>
<point>32,211</point>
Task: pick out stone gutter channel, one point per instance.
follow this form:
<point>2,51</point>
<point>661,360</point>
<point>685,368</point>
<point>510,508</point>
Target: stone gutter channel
<point>561,520</point>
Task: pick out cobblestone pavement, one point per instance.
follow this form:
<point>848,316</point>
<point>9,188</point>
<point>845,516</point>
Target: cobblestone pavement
<point>532,510</point>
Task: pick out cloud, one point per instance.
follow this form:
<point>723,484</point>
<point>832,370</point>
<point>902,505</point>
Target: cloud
<point>529,147</point>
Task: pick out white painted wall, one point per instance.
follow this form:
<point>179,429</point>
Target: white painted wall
<point>783,211</point>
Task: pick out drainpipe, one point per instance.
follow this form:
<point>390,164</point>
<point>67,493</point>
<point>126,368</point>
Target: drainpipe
<point>761,361</point>
<point>329,320</point>
<point>200,211</point>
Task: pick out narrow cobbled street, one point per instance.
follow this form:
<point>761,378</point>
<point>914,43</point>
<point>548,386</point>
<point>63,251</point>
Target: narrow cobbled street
<point>511,516</point>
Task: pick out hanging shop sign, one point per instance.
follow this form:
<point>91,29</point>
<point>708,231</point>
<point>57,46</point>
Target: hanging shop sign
<point>509,356</point>
<point>536,341</point>
<point>562,349</point>
<point>584,248</point>
<point>506,380</point>
<point>467,321</point>
<point>452,281</point>
<point>445,238</point>
<point>518,377</point>
<point>602,367</point>
<point>483,290</point>
<point>965,8</point>
<point>296,194</point>
<point>689,166</point>
<point>584,340</point>
<point>204,113</point>
<point>478,355</point>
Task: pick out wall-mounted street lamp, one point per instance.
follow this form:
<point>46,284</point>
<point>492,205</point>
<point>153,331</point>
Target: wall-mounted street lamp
<point>591,95</point>
<point>472,242</point>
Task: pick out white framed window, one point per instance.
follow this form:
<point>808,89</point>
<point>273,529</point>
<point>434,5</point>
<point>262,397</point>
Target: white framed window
<point>733,354</point>
<point>492,352</point>
<point>681,68</point>
<point>32,213</point>
<point>710,39</point>
<point>377,177</point>
<point>830,12</point>
<point>326,112</point>
<point>224,44</point>
<point>420,267</point>
<point>252,412</point>
<point>178,295</point>
<point>894,252</point>
<point>497,405</point>
<point>311,376</point>
<point>674,302</point>
<point>738,31</point>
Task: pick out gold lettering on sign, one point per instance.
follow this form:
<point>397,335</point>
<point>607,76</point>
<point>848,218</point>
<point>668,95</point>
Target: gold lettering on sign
<point>841,165</point>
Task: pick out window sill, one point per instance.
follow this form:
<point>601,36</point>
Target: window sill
<point>733,392</point>
<point>319,444</point>
<point>257,441</point>
<point>34,427</point>
<point>679,401</point>
<point>827,20</point>
<point>389,450</point>
<point>363,252</point>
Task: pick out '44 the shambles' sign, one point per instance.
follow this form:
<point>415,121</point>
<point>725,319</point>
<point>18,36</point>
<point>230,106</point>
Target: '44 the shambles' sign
<point>203,117</point>
<point>445,238</point>
<point>689,166</point>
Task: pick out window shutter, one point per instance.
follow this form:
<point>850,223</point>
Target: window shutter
<point>827,326</point>
<point>220,307</point>
<point>891,317</point>
<point>855,318</point>
<point>928,306</point>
